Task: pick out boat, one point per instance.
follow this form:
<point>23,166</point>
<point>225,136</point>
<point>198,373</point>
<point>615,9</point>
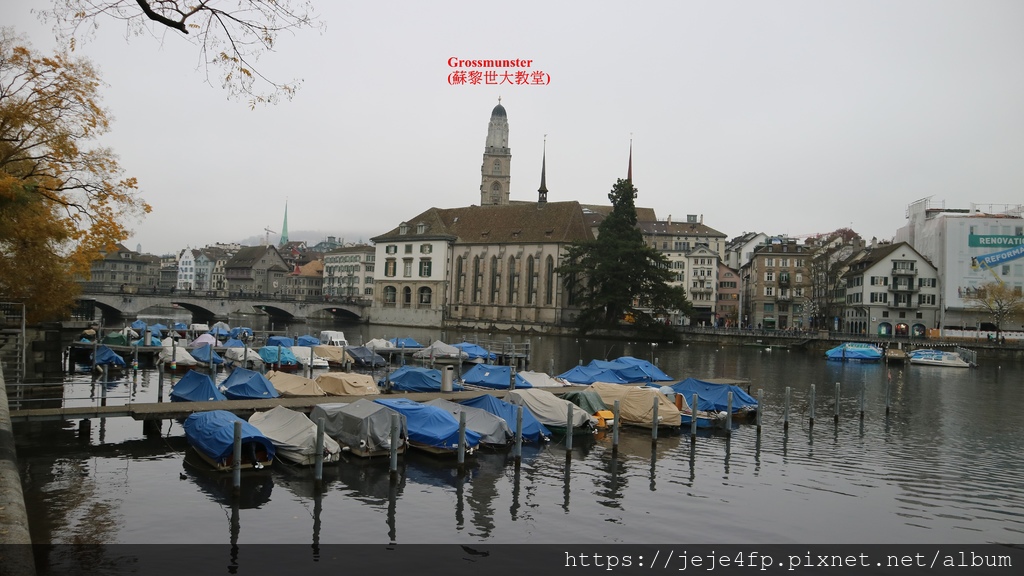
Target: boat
<point>585,375</point>
<point>307,357</point>
<point>431,429</point>
<point>406,343</point>
<point>895,355</point>
<point>553,411</point>
<point>282,341</point>
<point>245,384</point>
<point>495,433</point>
<point>855,352</point>
<point>336,356</point>
<point>280,357</point>
<point>195,387</point>
<point>929,357</point>
<point>106,357</point>
<point>366,358</point>
<point>494,377</point>
<point>174,358</point>
<point>204,340</point>
<point>533,431</point>
<point>362,427</point>
<point>294,436</point>
<point>440,353</point>
<point>591,403</point>
<point>476,354</point>
<point>238,354</point>
<point>414,379</point>
<point>540,379</point>
<point>292,385</point>
<point>631,370</point>
<point>207,357</point>
<point>333,338</point>
<point>713,397</point>
<point>211,434</point>
<point>347,384</point>
<point>636,405</point>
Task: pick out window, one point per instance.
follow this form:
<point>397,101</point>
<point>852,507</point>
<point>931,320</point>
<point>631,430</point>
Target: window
<point>769,291</point>
<point>421,228</point>
<point>408,248</point>
<point>426,248</point>
<point>390,295</point>
<point>769,276</point>
<point>407,267</point>
<point>497,167</point>
<point>495,279</point>
<point>403,228</point>
<point>799,277</point>
<point>406,297</point>
<point>460,281</point>
<point>425,268</point>
<point>390,266</point>
<point>549,281</point>
<point>769,307</point>
<point>425,295</point>
<point>391,249</point>
<point>769,261</point>
<point>531,281</point>
<point>784,262</point>
<point>513,278</point>
<point>478,279</point>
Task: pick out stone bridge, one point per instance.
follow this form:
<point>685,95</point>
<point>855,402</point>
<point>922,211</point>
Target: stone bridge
<point>210,306</point>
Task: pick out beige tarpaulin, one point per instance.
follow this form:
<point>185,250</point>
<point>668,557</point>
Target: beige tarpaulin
<point>636,404</point>
<point>291,385</point>
<point>347,384</point>
<point>335,354</point>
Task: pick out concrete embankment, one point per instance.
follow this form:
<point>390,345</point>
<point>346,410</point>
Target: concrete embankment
<point>15,542</point>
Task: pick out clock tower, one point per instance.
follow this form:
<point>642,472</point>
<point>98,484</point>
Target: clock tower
<point>496,173</point>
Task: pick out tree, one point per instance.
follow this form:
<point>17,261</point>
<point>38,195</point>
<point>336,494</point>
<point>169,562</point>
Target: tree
<point>229,37</point>
<point>617,276</point>
<point>1001,302</point>
<point>60,202</point>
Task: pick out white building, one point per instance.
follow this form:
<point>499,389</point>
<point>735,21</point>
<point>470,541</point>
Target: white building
<point>891,290</point>
<point>970,247</point>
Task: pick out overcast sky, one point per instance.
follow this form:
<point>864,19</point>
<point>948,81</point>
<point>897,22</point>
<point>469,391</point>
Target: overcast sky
<point>789,117</point>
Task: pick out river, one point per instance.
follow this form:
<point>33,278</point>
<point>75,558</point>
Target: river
<point>944,466</point>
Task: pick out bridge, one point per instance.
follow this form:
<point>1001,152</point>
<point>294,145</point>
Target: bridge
<point>117,306</point>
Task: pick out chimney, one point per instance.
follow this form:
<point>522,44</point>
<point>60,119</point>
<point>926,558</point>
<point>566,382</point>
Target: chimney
<point>669,219</point>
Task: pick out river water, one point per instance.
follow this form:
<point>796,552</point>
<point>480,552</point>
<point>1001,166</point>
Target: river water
<point>944,466</point>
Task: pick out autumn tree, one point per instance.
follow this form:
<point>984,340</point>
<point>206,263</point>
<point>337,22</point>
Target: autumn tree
<point>618,276</point>
<point>230,35</point>
<point>61,202</point>
<point>1002,303</point>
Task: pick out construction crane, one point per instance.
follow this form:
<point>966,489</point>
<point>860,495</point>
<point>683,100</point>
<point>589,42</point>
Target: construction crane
<point>266,237</point>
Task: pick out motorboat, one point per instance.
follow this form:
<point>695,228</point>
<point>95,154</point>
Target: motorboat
<point>363,427</point>
<point>211,434</point>
<point>930,357</point>
<point>294,436</point>
<point>855,352</point>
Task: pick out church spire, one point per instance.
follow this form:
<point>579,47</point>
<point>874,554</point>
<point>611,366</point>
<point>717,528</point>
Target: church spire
<point>284,227</point>
<point>542,192</point>
<point>495,173</point>
<point>629,171</point>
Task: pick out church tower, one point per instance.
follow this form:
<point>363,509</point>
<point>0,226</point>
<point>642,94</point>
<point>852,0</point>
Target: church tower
<point>496,173</point>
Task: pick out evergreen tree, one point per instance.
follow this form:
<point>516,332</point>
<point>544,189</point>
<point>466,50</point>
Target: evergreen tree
<point>617,279</point>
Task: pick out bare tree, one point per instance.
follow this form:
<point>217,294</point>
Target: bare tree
<point>231,35</point>
<point>1001,302</point>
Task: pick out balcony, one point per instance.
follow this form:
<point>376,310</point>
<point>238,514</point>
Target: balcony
<point>904,272</point>
<point>899,287</point>
<point>701,290</point>
<point>901,305</point>
<point>784,298</point>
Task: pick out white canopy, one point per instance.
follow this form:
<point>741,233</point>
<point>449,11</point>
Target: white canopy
<point>541,380</point>
<point>440,350</point>
<point>548,408</point>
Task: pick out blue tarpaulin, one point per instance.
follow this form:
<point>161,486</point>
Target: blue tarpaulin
<point>153,341</point>
<point>213,434</point>
<point>283,341</point>
<point>238,331</point>
<point>590,374</point>
<point>475,351</point>
<point>106,356</point>
<point>203,354</point>
<point>244,384</point>
<point>655,373</point>
<point>308,340</point>
<point>430,425</point>
<point>195,387</point>
<point>234,343</point>
<point>415,379</point>
<point>269,355</point>
<point>218,331</point>
<point>405,343</point>
<point>158,328</point>
<point>490,376</point>
<point>533,430</point>
<point>139,326</point>
<point>855,352</point>
<point>712,397</point>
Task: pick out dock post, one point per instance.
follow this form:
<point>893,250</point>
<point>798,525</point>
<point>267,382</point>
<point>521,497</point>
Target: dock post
<point>106,378</point>
<point>568,428</point>
<point>236,463</point>
<point>512,378</point>
<point>278,357</point>
<point>728,414</point>
<point>395,427</point>
<point>519,434</point>
<point>888,396</point>
<point>462,438</point>
<point>135,360</point>
<point>174,354</point>
<point>319,462</point>
<point>785,411</point>
<point>760,408</point>
<point>693,419</point>
<point>862,402</point>
<point>811,407</point>
<point>654,420</point>
<point>835,416</point>
<point>615,426</point>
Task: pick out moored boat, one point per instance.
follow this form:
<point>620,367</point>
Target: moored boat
<point>211,434</point>
<point>929,357</point>
<point>362,427</point>
<point>294,436</point>
<point>553,411</point>
<point>431,429</point>
<point>855,352</point>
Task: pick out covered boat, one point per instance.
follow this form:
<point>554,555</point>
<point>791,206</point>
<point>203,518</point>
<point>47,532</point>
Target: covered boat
<point>241,333</point>
<point>293,385</point>
<point>336,356</point>
<point>406,343</point>
<point>306,357</point>
<point>175,356</point>
<point>490,376</point>
<point>244,384</point>
<point>379,344</point>
<point>590,402</point>
<point>584,375</point>
<point>204,340</point>
<point>928,357</point>
<point>631,370</point>
<point>541,380</point>
<point>294,436</point>
<point>207,356</point>
<point>242,356</point>
<point>195,387</point>
<point>431,429</point>
<point>552,411</point>
<point>494,431</point>
<point>361,427</point>
<point>154,340</point>
<point>715,397</point>
<point>280,357</point>
<point>475,353</point>
<point>115,339</point>
<point>414,379</point>
<point>439,351</point>
<point>307,340</point>
<point>212,435</point>
<point>855,352</point>
<point>533,430</point>
<point>366,358</point>
<point>636,405</point>
<point>347,384</point>
<point>282,341</point>
<point>104,356</point>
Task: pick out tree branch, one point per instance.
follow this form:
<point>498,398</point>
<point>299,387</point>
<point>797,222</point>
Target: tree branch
<point>144,4</point>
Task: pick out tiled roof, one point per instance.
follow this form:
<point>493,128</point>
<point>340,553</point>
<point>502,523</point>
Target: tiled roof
<point>678,229</point>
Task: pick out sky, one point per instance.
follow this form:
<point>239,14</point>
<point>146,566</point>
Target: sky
<point>784,117</point>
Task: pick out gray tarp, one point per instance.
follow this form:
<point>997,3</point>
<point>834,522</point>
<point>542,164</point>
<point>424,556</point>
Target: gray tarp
<point>492,429</point>
<point>294,435</point>
<point>548,408</point>
<point>362,424</point>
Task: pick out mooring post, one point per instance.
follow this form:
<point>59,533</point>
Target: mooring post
<point>318,475</point>
<point>785,411</point>
<point>862,402</point>
<point>159,384</point>
<point>135,360</point>
<point>812,406</point>
<point>512,378</point>
<point>728,413</point>
<point>278,357</point>
<point>568,428</point>
<point>835,416</point>
<point>519,434</point>
<point>693,419</point>
<point>236,462</point>
<point>888,395</point>
<point>760,408</point>
<point>395,426</point>
<point>615,425</point>
<point>462,438</point>
<point>106,378</point>
<point>174,354</point>
<point>654,420</point>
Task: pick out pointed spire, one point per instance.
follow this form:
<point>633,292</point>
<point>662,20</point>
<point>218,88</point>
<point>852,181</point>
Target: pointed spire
<point>629,171</point>
<point>542,192</point>
<point>284,227</point>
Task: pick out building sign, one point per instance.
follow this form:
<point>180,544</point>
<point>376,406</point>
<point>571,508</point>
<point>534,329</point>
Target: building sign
<point>976,241</point>
<point>999,257</point>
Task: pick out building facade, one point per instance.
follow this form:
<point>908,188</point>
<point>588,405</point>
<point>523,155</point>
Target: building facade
<point>891,290</point>
<point>774,286</point>
<point>349,272</point>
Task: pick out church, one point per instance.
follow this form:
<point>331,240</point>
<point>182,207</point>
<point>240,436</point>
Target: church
<point>486,267</point>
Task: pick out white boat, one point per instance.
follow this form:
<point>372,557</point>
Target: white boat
<point>928,357</point>
<point>294,436</point>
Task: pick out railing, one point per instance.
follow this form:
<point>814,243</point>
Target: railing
<point>904,271</point>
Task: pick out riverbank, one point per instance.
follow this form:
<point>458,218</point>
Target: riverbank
<point>15,550</point>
